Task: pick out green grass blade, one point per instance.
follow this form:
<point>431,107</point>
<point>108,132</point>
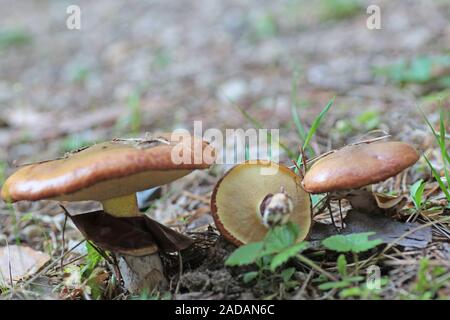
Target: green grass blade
<point>429,124</point>
<point>441,140</point>
<point>440,137</point>
<point>444,153</point>
<point>301,132</point>
<point>438,179</point>
<point>315,125</point>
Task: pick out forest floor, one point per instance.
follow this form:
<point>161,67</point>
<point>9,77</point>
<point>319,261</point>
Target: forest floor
<point>148,66</point>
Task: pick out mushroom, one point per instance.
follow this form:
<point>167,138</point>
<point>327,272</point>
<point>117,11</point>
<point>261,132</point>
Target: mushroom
<point>111,173</point>
<point>344,173</point>
<point>247,201</point>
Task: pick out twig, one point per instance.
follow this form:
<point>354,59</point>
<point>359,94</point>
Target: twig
<point>180,271</point>
<point>314,266</point>
<point>304,285</point>
<point>63,234</point>
<point>304,159</point>
<point>390,245</point>
<point>300,172</point>
<point>51,265</point>
<point>9,264</point>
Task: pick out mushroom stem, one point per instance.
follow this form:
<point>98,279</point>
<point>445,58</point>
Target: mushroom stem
<point>142,274</point>
<point>139,273</point>
<point>125,206</point>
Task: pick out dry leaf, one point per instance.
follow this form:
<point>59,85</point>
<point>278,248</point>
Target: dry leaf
<point>19,262</point>
<point>388,202</point>
<point>386,229</point>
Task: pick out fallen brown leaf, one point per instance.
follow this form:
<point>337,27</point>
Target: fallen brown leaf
<point>18,262</point>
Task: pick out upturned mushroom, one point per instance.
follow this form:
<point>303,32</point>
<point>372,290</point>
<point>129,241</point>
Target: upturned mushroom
<point>111,173</point>
<point>247,201</point>
<point>349,172</point>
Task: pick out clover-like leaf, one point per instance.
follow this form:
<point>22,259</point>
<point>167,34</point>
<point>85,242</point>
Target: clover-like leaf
<point>355,242</point>
<point>245,254</point>
<point>250,276</point>
<point>279,238</point>
<point>287,253</point>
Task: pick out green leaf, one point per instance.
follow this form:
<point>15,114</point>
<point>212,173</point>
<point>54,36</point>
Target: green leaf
<point>416,192</point>
<point>420,70</point>
<point>315,125</point>
<point>334,285</point>
<point>356,242</point>
<point>417,70</point>
<point>341,284</point>
<point>94,284</point>
<point>439,137</point>
<point>26,217</point>
<point>442,143</point>
<point>370,119</point>
<point>355,279</point>
<point>316,198</point>
<point>342,265</point>
<point>249,276</point>
<point>351,292</point>
<point>286,274</point>
<point>14,37</point>
<point>438,179</point>
<point>287,253</point>
<point>93,259</point>
<point>264,26</point>
<point>280,237</point>
<point>245,254</point>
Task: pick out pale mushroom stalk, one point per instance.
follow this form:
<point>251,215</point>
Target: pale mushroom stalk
<point>141,273</point>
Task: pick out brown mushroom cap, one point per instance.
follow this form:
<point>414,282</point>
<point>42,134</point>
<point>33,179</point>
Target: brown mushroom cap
<point>106,170</point>
<point>236,200</point>
<point>360,165</point>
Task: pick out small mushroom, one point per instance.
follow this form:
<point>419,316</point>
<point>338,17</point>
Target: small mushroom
<point>111,173</point>
<point>247,201</point>
<point>348,172</point>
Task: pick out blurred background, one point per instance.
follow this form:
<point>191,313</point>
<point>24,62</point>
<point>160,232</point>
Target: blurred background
<point>140,66</point>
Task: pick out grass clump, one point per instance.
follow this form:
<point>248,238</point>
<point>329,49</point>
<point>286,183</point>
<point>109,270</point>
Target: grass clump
<point>419,70</point>
<point>14,38</point>
<point>441,138</point>
<point>340,9</point>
